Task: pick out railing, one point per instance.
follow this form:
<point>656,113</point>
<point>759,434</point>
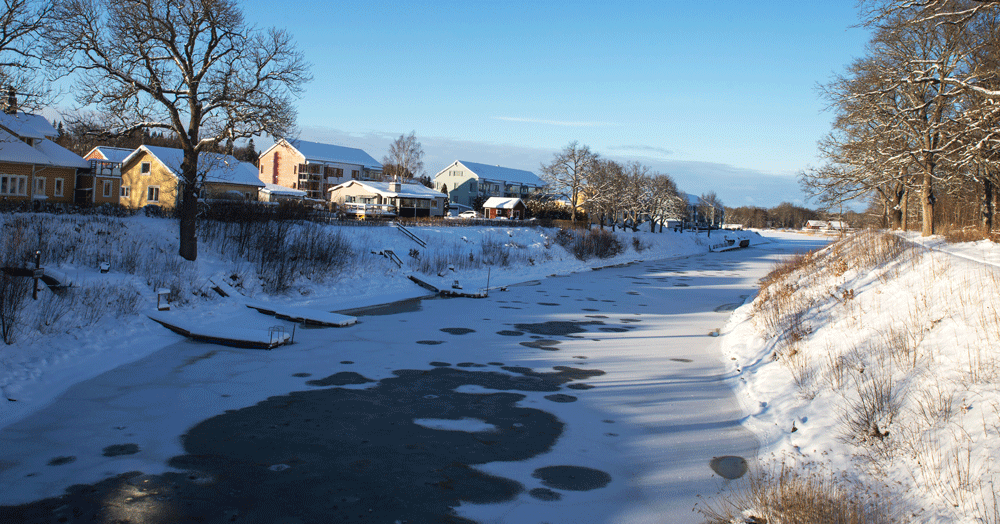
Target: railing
<point>410,234</point>
<point>361,209</point>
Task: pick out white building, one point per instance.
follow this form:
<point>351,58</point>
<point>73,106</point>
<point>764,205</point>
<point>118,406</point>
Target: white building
<point>465,181</point>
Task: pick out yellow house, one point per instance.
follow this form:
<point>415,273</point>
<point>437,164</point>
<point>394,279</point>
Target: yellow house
<point>152,176</point>
<point>32,166</point>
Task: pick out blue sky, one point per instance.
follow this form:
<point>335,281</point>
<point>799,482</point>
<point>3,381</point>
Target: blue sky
<point>721,95</point>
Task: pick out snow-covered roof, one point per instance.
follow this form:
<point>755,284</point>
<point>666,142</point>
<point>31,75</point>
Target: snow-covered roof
<point>45,153</point>
<point>316,152</point>
<point>506,174</point>
<point>27,125</point>
<point>275,189</point>
<point>112,154</point>
<point>217,167</point>
<point>14,150</point>
<point>384,189</point>
<point>60,156</point>
<point>501,203</point>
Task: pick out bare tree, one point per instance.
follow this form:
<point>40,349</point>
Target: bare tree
<point>191,67</point>
<point>665,200</point>
<point>568,171</point>
<point>21,23</point>
<point>601,197</point>
<point>711,208</point>
<point>405,159</point>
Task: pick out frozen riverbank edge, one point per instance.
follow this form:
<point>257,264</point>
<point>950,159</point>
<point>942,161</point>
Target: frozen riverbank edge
<point>38,367</point>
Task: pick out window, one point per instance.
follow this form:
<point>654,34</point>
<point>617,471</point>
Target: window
<point>355,173</point>
<point>39,187</point>
<point>125,191</point>
<point>153,194</point>
<point>14,185</point>
<point>107,188</point>
<point>59,187</point>
<point>144,168</point>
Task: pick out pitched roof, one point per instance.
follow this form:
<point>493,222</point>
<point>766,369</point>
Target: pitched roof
<point>501,203</point>
<point>217,167</point>
<point>45,153</point>
<point>405,191</point>
<point>275,189</point>
<point>330,153</point>
<point>112,154</point>
<point>60,156</point>
<point>507,174</point>
<point>27,125</point>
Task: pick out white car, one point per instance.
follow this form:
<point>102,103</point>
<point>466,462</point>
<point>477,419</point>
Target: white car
<point>469,214</point>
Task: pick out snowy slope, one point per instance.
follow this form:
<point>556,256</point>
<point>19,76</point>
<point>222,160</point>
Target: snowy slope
<point>879,359</point>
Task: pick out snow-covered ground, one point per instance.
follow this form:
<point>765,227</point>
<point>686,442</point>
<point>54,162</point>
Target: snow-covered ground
<point>654,413</point>
<point>879,360</point>
<point>56,348</point>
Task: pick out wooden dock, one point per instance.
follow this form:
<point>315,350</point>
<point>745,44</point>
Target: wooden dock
<point>239,338</point>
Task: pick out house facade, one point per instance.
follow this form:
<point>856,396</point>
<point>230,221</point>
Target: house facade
<point>504,207</point>
<point>465,181</point>
<point>32,166</point>
<point>151,175</point>
<point>315,168</point>
<point>102,184</point>
<point>365,199</point>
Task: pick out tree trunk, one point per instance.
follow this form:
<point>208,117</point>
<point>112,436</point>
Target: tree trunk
<point>189,207</point>
<point>898,206</point>
<point>988,210</point>
<point>927,202</point>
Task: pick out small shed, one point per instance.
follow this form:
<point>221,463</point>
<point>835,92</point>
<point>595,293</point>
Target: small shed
<point>496,207</point>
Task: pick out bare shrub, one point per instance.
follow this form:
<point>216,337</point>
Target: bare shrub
<point>585,245</point>
<point>788,497</point>
<point>13,291</point>
<point>494,252</point>
<point>869,415</point>
<point>935,404</point>
<point>51,310</point>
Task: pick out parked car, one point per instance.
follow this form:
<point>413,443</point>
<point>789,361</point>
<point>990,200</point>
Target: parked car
<point>470,214</point>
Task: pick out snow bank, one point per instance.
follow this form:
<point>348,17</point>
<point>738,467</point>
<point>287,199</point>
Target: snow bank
<point>880,358</point>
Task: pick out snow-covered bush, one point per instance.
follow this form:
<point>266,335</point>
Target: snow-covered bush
<point>589,244</point>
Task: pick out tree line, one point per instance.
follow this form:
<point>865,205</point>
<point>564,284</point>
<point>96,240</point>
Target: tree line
<point>916,118</point>
<point>614,193</point>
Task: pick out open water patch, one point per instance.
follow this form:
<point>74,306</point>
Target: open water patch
<point>458,330</point>
<point>555,327</point>
<point>729,467</point>
<point>118,450</point>
<point>572,478</point>
<point>339,455</point>
<point>344,378</point>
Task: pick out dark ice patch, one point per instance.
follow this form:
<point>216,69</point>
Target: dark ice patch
<point>572,478</point>
<point>343,378</point>
<point>440,364</point>
<point>580,386</point>
<point>59,461</point>
<point>685,360</point>
<point>430,342</point>
<point>120,449</point>
<point>559,397</point>
<point>510,333</point>
<point>458,330</point>
<point>555,327</point>
<point>545,494</point>
<point>272,462</point>
<point>548,304</point>
<point>614,329</point>
<point>548,345</point>
<point>470,365</point>
<point>302,375</point>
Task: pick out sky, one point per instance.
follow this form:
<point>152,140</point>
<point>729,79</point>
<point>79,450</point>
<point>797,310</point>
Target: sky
<point>720,95</point>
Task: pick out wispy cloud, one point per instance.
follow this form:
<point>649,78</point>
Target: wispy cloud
<point>643,149</point>
<point>562,123</point>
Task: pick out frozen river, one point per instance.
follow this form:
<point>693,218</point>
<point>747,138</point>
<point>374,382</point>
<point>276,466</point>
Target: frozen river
<point>594,397</point>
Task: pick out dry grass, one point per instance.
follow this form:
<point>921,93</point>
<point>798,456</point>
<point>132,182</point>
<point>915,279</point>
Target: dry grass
<point>788,497</point>
<point>957,235</point>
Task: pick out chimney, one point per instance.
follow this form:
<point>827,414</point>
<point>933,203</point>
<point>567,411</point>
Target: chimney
<point>11,101</point>
<point>395,186</point>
